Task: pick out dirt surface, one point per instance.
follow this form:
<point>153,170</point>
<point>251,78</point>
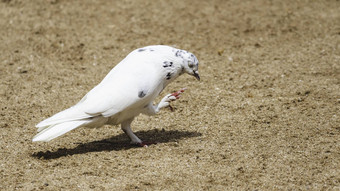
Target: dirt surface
<point>265,115</point>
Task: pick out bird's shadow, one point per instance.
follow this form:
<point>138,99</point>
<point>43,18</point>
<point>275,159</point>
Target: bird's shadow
<point>117,143</point>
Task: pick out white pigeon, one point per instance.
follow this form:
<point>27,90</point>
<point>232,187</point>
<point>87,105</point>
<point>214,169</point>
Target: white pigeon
<point>128,90</point>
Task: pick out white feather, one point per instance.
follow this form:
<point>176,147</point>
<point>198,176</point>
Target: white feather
<point>55,131</point>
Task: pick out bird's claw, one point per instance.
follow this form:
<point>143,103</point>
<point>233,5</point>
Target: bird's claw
<point>145,144</point>
<point>177,94</point>
<point>165,102</point>
<point>174,96</point>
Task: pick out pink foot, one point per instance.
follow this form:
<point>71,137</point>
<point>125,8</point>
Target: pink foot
<point>178,93</point>
<point>146,144</point>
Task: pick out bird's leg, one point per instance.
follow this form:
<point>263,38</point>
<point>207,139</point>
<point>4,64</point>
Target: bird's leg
<point>134,139</point>
<point>127,130</point>
<point>165,102</point>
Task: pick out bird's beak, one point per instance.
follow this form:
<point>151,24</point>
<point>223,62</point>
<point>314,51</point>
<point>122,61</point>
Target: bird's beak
<point>197,76</point>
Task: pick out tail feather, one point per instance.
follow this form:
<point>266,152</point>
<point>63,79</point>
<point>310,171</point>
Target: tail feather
<point>48,133</point>
<point>70,114</point>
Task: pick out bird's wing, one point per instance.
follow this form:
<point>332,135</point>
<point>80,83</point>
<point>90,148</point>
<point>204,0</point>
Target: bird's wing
<point>107,100</point>
<point>131,84</point>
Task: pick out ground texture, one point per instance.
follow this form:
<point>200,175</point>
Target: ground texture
<point>265,115</point>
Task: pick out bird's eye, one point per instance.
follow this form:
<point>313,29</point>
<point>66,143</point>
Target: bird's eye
<point>190,64</point>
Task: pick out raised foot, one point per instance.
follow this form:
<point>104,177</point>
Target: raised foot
<point>177,94</point>
<point>174,96</point>
<point>165,102</point>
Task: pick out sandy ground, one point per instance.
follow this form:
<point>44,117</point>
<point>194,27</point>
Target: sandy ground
<point>265,115</point>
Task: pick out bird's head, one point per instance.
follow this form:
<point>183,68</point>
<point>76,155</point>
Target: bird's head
<point>189,64</point>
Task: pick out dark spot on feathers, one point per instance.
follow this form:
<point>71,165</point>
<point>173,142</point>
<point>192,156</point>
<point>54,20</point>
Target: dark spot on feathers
<point>141,94</point>
<point>178,53</point>
<point>168,76</point>
<point>167,64</point>
<point>141,49</point>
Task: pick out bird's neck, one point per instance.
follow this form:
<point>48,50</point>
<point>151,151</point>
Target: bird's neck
<point>171,70</point>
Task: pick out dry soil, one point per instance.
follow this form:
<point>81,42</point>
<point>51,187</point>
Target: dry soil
<point>265,115</point>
